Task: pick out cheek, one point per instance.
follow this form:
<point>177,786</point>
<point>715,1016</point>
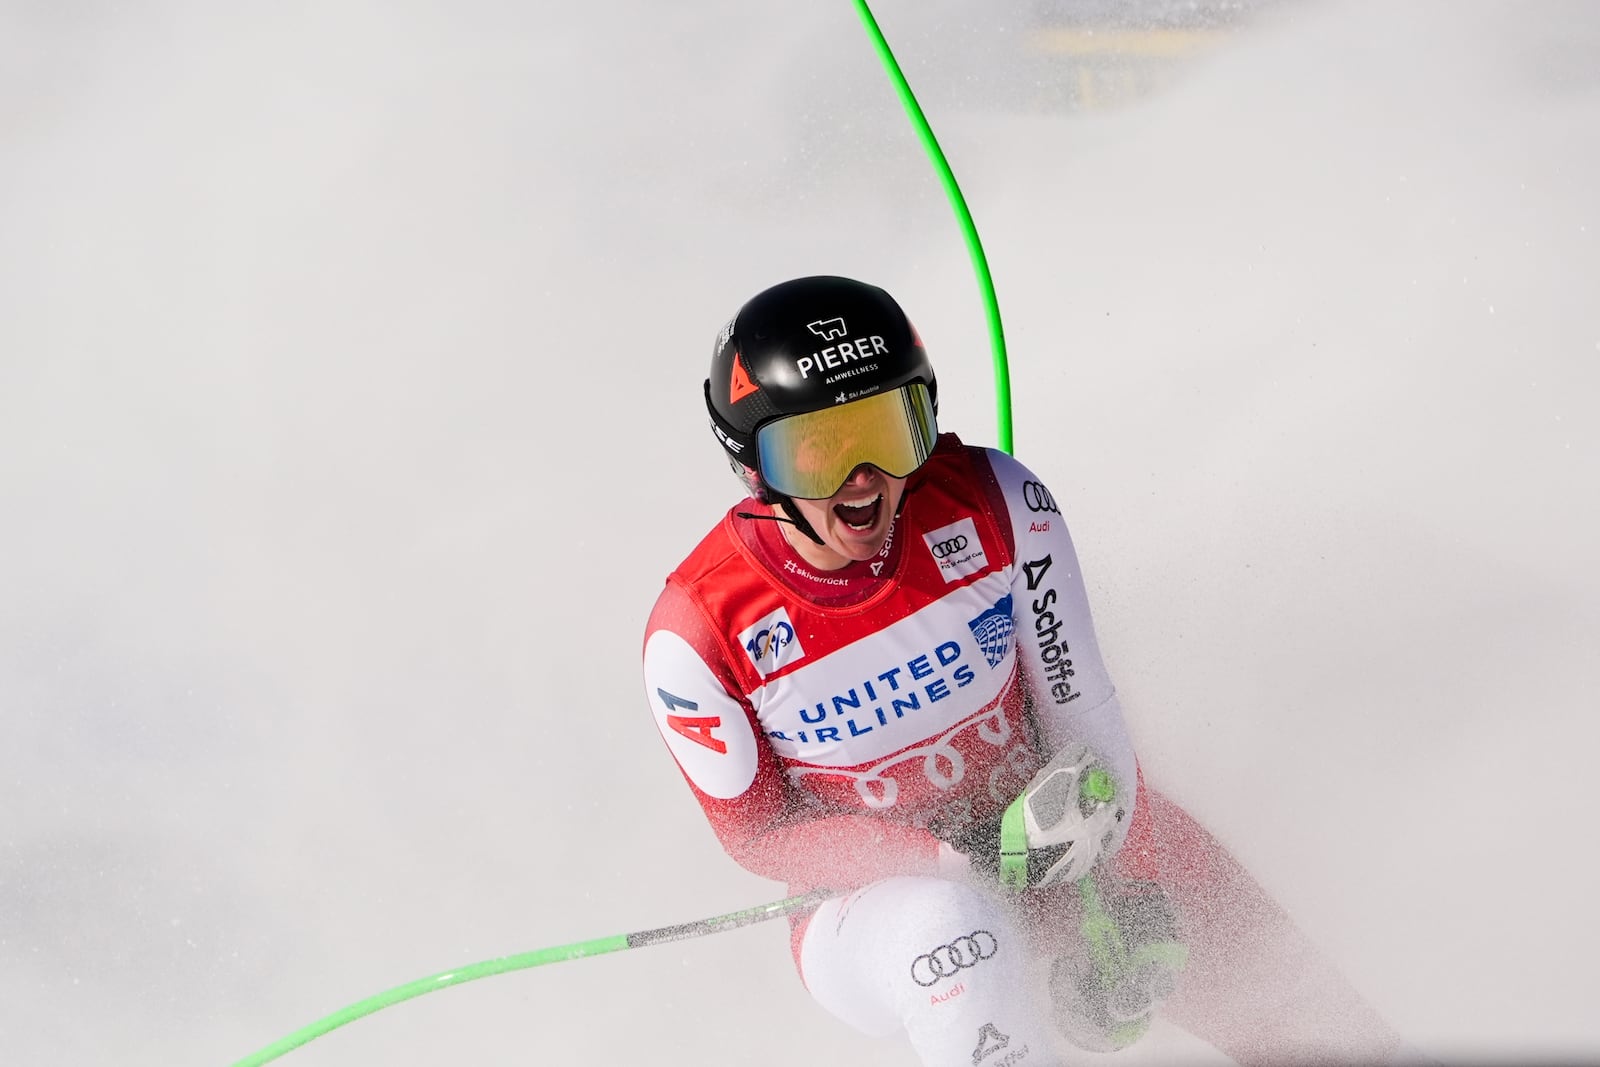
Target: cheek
<point>812,513</point>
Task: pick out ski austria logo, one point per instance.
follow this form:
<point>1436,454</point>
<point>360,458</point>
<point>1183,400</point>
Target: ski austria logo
<point>993,631</point>
<point>957,549</point>
<point>772,643</point>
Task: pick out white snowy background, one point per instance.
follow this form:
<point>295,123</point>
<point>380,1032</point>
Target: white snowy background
<point>350,419</point>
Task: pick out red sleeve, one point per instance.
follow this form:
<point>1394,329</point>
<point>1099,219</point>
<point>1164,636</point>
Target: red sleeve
<point>713,734</point>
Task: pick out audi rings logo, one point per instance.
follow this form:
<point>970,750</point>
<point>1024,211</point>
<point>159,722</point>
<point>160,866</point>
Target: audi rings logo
<point>929,968</point>
<point>1038,498</point>
<point>942,549</point>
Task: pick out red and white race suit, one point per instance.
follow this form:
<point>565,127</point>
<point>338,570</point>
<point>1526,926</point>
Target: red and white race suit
<point>838,727</point>
<point>835,727</point>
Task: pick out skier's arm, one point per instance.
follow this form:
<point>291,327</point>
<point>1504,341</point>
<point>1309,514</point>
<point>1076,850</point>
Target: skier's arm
<point>1074,703</point>
<point>717,742</point>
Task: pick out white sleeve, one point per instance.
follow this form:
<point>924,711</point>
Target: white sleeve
<point>708,731</point>
<point>1072,695</point>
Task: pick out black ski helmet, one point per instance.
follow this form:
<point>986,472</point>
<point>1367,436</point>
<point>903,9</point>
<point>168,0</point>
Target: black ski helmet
<point>804,345</point>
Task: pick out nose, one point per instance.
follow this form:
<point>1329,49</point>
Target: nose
<point>861,475</point>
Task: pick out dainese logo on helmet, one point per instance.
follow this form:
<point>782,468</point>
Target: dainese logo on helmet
<point>727,442</point>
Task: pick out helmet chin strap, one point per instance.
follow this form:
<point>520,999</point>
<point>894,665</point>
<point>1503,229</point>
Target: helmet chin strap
<point>795,519</point>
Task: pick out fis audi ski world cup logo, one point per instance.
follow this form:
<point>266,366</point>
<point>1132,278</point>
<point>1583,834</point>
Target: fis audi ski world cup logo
<point>993,631</point>
<point>772,643</point>
<point>957,550</point>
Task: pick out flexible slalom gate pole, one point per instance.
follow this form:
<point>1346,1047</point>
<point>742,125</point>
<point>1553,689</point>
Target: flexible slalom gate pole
<point>958,204</point>
<point>537,958</point>
<point>1098,928</point>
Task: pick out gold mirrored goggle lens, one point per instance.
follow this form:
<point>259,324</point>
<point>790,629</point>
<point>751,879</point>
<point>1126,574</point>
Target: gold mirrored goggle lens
<point>810,455</point>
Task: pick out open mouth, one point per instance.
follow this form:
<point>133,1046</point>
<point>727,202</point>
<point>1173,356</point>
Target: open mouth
<point>860,514</point>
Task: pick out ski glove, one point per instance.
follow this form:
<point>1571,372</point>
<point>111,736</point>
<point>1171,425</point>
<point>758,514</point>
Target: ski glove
<point>1062,823</point>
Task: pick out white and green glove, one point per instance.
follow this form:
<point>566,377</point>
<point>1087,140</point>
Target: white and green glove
<point>1062,823</point>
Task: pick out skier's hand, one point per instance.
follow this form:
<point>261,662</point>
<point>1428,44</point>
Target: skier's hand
<point>1106,995</point>
<point>1062,823</point>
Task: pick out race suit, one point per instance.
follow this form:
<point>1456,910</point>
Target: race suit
<point>836,727</point>
<point>853,729</point>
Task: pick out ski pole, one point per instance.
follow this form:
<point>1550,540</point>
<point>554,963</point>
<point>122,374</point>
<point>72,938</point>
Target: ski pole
<point>537,958</point>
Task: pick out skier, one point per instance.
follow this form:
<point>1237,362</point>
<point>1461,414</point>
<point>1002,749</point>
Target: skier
<point>879,675</point>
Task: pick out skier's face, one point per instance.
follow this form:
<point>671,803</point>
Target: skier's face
<point>853,523</point>
<point>809,455</point>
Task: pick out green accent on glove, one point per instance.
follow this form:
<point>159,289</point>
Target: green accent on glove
<point>1014,847</point>
<point>1098,785</point>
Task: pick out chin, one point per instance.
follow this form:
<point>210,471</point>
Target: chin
<point>859,551</point>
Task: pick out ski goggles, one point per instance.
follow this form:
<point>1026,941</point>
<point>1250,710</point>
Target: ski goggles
<point>811,455</point>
